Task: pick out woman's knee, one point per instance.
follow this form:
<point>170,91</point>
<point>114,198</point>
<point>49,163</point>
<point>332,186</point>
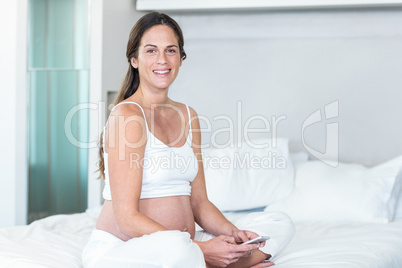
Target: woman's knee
<point>282,224</point>
<point>186,254</point>
<point>283,219</point>
<point>275,224</point>
<point>161,249</point>
<point>176,249</point>
<point>266,219</point>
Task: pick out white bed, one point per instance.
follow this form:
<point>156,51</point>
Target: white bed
<point>344,217</point>
<point>57,241</point>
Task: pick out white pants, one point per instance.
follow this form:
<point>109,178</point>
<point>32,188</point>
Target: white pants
<point>174,249</point>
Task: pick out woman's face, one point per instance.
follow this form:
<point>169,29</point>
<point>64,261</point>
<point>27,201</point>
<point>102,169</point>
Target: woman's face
<point>158,60</point>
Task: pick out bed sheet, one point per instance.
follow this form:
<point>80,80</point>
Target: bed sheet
<point>57,241</point>
<point>348,245</point>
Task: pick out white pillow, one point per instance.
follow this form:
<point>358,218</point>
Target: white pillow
<point>349,192</point>
<point>246,177</point>
<point>398,210</point>
<point>398,191</point>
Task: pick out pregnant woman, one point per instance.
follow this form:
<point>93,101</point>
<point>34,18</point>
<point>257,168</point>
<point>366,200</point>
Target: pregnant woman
<point>151,201</point>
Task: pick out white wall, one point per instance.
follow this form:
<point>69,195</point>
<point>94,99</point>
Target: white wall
<point>96,118</point>
<point>13,157</point>
<point>118,19</point>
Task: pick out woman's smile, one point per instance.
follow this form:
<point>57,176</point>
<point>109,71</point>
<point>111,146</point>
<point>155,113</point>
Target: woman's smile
<point>162,72</point>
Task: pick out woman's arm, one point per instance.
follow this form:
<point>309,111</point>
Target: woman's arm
<point>222,250</point>
<point>125,143</point>
<point>205,213</point>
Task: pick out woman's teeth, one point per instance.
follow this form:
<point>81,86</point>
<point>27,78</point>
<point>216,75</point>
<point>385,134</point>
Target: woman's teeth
<point>161,72</point>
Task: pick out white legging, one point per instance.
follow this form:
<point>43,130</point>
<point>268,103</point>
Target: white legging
<point>174,249</point>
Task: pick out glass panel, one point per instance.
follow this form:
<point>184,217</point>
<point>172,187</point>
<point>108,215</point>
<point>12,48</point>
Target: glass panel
<point>37,33</point>
<point>58,167</point>
<point>81,35</point>
<point>58,34</point>
<point>82,117</point>
<point>59,81</point>
<point>38,147</point>
<point>64,156</point>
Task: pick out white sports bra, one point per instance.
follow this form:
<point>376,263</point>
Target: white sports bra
<point>167,171</point>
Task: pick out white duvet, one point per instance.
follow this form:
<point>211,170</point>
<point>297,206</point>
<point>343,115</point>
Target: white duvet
<point>349,245</point>
<point>57,241</point>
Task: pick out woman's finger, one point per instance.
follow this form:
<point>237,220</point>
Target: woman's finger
<point>229,239</point>
<point>243,236</point>
<point>244,250</point>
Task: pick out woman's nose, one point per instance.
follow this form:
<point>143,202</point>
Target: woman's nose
<point>161,58</point>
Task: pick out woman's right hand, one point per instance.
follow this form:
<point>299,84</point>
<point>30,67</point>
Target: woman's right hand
<point>222,250</point>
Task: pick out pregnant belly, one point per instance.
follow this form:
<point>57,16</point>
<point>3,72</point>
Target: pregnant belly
<point>173,212</point>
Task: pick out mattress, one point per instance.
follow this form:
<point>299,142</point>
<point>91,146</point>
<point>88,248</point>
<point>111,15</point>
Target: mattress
<point>57,241</point>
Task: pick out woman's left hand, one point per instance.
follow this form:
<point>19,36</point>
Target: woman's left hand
<point>242,236</point>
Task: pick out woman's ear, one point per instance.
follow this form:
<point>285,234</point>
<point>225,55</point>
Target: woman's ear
<point>133,62</point>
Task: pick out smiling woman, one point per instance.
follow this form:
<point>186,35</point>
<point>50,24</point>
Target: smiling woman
<point>158,60</point>
<point>149,215</point>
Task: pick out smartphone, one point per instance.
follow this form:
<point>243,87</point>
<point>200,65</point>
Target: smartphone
<point>257,240</point>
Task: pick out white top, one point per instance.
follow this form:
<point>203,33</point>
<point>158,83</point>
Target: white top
<point>167,171</point>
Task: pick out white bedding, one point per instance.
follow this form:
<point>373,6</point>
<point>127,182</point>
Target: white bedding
<point>349,245</point>
<point>366,198</point>
<point>57,241</point>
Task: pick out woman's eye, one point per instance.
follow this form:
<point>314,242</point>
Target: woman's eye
<point>151,51</point>
<point>171,51</point>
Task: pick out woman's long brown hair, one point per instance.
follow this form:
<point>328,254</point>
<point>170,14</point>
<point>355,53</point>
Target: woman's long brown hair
<point>132,80</point>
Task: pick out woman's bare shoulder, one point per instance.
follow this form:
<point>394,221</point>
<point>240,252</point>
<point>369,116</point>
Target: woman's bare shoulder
<point>126,108</point>
<point>127,119</point>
